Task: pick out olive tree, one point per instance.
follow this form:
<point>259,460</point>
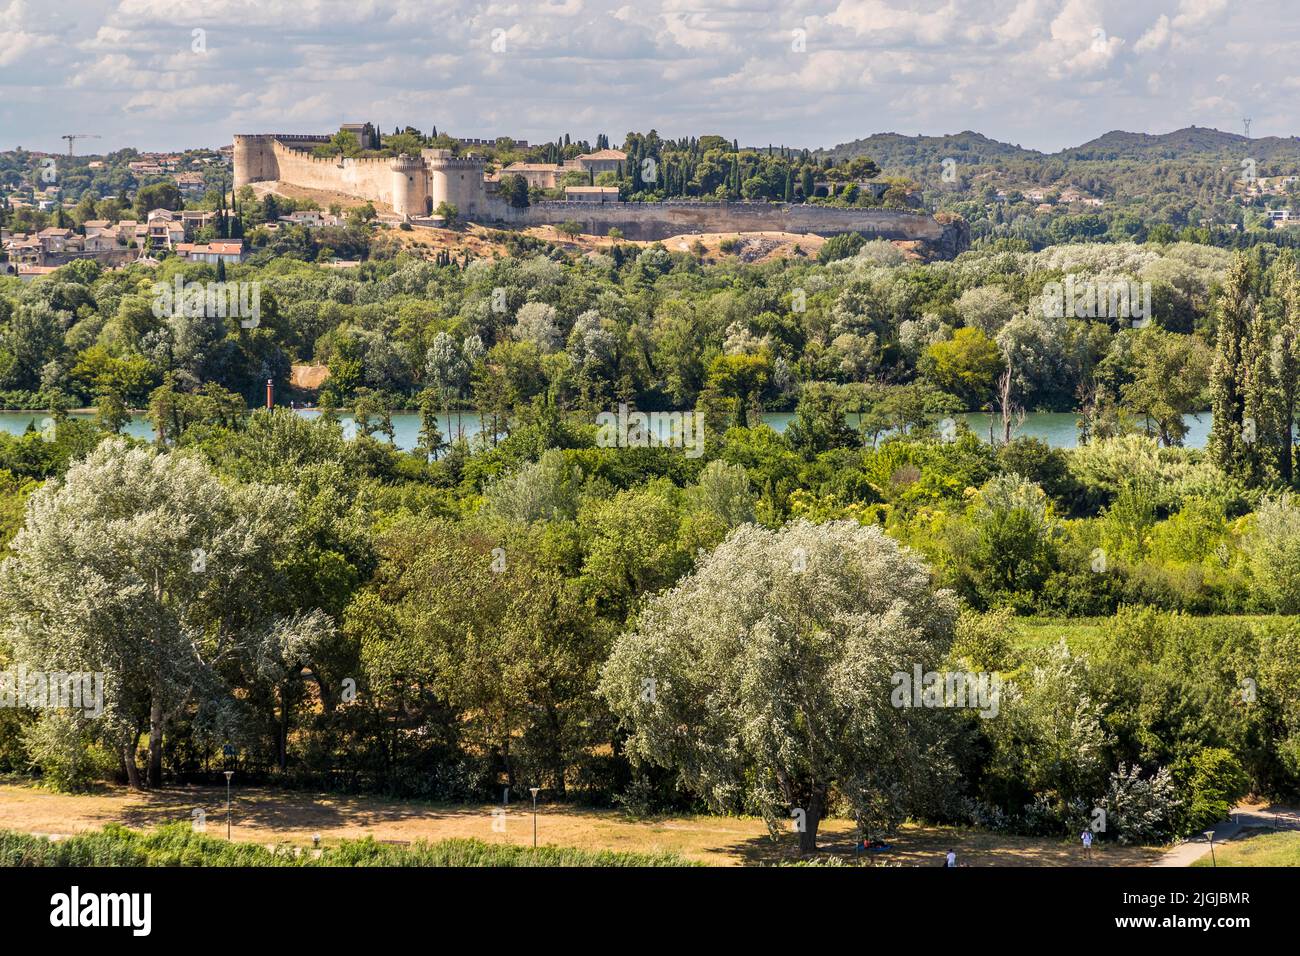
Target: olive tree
<point>765,677</point>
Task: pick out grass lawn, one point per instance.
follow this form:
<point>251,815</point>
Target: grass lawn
<point>1085,633</point>
<point>1079,633</point>
<point>1263,848</point>
<point>269,816</point>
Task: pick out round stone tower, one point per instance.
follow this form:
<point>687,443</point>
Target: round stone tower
<point>254,159</point>
<point>457,180</point>
<point>410,187</point>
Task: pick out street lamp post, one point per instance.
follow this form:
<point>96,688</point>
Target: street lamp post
<point>1209,835</point>
<point>229,774</point>
<point>533,791</point>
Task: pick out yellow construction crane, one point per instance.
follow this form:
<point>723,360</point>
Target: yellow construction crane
<point>73,137</point>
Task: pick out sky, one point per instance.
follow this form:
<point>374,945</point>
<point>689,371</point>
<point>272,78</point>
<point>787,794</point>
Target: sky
<point>1045,74</point>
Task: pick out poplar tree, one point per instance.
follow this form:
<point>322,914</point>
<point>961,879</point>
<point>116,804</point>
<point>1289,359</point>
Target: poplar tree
<point>1228,444</point>
<point>1285,358</point>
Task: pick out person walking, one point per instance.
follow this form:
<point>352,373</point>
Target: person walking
<point>951,858</point>
<point>1086,837</point>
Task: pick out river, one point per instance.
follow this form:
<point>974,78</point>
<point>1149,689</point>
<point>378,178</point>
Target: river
<point>1058,429</point>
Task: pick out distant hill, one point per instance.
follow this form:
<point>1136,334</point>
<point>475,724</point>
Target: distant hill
<point>1180,144</point>
<point>899,153</point>
<point>1194,142</point>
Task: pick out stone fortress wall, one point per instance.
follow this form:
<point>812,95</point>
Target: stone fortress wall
<point>414,186</point>
<point>649,221</point>
<point>364,178</point>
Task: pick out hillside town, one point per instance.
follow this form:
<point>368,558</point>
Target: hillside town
<point>128,206</point>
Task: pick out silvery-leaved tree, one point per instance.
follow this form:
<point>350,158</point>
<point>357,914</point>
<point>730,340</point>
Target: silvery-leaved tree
<point>764,678</point>
<point>145,567</point>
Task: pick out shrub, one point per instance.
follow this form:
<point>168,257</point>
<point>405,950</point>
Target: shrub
<point>1009,547</point>
<point>56,744</point>
<point>1272,548</point>
<point>840,247</point>
<point>546,489</point>
<point>1141,809</point>
<point>1045,466</point>
<point>178,845</point>
<point>1213,783</point>
<point>1192,534</point>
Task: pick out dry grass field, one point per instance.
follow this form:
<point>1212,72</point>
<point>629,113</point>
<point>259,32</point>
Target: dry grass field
<point>273,816</point>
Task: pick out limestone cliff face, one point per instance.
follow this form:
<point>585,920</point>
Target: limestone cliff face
<point>651,221</point>
<point>955,238</point>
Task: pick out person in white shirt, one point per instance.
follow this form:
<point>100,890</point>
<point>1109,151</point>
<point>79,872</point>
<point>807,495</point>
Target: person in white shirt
<point>1086,836</point>
<point>951,859</point>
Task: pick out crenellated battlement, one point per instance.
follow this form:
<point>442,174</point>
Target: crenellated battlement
<point>455,163</point>
<point>446,159</point>
<point>305,155</point>
<point>286,137</point>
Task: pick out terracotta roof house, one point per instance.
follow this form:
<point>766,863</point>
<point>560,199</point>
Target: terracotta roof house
<point>601,161</point>
<point>591,193</point>
<point>542,175</point>
<point>230,252</point>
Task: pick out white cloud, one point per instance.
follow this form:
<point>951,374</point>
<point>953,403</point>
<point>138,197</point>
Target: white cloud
<point>1019,22</point>
<point>1046,73</point>
<point>882,20</point>
<point>20,34</point>
<point>1196,14</point>
<point>1154,38</point>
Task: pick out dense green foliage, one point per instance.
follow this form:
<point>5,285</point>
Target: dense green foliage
<point>438,628</point>
<point>479,614</point>
<point>655,327</point>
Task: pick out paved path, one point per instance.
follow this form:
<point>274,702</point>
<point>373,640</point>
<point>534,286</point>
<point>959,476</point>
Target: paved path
<point>1242,818</point>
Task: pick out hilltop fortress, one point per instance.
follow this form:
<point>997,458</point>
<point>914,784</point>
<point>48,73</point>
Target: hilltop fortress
<point>414,186</point>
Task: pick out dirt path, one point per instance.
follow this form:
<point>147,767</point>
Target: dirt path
<point>269,816</point>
